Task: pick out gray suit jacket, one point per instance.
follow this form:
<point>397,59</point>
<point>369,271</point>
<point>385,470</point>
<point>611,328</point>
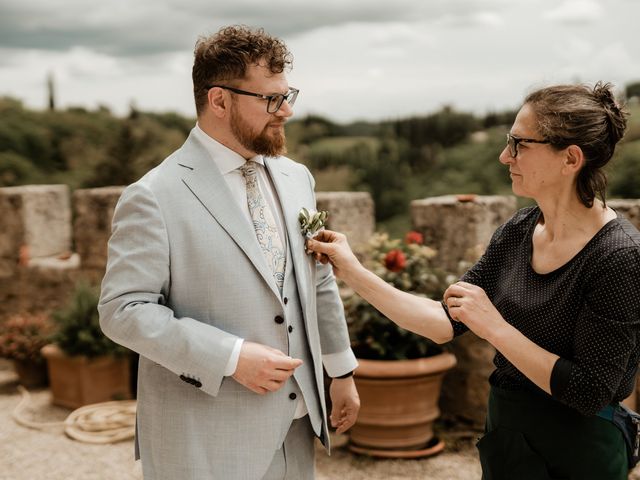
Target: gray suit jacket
<point>185,278</point>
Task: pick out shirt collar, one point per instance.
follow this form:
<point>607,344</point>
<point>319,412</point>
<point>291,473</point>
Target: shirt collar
<point>225,159</point>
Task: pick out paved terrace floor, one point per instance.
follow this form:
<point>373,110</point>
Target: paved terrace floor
<point>27,454</point>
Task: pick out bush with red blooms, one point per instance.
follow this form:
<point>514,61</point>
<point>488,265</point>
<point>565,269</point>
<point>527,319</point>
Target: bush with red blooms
<point>23,335</point>
<point>408,265</point>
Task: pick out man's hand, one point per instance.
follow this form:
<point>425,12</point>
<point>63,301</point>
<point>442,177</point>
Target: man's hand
<point>263,369</point>
<point>346,403</point>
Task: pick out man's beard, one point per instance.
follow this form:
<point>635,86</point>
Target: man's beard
<point>263,143</point>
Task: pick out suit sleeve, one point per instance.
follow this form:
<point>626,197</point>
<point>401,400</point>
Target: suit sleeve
<point>133,301</point>
<point>337,356</point>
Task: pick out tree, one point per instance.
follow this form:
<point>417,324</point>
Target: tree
<point>382,172</point>
<point>633,90</point>
<point>118,167</point>
<point>625,175</point>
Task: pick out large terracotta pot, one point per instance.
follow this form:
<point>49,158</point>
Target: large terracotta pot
<point>399,403</point>
<point>78,381</point>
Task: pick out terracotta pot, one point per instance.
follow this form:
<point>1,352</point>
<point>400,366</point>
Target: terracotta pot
<point>399,403</point>
<point>31,374</point>
<point>78,381</point>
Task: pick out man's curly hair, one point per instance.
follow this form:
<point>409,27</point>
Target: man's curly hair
<point>225,56</point>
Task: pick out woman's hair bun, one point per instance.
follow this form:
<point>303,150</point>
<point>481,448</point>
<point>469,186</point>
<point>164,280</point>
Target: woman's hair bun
<point>603,92</point>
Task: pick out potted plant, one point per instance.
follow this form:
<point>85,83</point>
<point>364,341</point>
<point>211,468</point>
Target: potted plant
<point>21,338</point>
<point>400,373</point>
<point>84,365</point>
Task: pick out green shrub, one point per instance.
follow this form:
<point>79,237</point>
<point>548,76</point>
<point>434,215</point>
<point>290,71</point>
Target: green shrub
<point>78,327</point>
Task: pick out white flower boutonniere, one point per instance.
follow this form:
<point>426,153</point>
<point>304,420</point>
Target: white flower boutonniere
<point>311,222</point>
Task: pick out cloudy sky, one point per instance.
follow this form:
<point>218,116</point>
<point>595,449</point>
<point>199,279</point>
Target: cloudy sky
<point>358,59</point>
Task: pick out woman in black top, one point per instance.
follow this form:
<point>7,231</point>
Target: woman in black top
<point>557,293</point>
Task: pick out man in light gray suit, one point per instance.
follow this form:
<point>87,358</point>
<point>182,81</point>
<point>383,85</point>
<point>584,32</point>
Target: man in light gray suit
<point>208,280</point>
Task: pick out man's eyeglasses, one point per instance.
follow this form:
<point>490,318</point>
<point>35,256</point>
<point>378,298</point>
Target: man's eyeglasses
<point>274,102</point>
<point>513,141</point>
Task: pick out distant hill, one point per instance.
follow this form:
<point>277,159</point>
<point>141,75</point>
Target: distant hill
<point>396,160</point>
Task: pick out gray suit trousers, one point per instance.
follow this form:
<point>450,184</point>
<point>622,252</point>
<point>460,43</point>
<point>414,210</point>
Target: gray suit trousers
<point>295,460</point>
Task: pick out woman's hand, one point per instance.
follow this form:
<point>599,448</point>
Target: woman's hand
<point>328,246</point>
<point>470,305</point>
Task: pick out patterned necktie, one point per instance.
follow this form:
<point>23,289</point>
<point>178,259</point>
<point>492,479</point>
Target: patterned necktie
<point>264,224</point>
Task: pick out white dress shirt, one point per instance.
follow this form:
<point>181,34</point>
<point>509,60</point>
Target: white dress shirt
<point>229,162</point>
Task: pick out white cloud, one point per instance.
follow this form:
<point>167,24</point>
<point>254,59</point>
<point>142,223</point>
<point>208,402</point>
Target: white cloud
<point>576,12</point>
<point>368,59</point>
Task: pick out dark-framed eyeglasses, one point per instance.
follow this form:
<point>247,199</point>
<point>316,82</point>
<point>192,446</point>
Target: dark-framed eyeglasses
<point>513,141</point>
<point>274,102</point>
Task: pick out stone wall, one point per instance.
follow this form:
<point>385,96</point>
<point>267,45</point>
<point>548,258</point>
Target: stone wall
<point>38,269</point>
<point>628,208</point>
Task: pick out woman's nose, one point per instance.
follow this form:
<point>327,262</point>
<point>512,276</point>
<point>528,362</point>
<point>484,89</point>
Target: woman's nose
<point>505,156</point>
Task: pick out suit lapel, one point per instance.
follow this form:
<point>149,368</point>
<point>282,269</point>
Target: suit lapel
<point>286,189</point>
<point>203,178</point>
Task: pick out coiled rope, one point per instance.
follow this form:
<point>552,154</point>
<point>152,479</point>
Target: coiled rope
<point>100,423</point>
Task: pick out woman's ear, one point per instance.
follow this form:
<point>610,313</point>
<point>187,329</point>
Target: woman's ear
<point>573,159</point>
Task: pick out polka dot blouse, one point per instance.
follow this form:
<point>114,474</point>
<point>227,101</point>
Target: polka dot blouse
<point>587,311</point>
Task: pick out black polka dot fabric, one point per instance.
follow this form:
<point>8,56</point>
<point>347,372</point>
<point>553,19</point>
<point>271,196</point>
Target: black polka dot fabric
<point>587,311</point>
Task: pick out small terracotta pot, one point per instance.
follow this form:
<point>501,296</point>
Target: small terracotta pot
<point>78,381</point>
<point>31,374</point>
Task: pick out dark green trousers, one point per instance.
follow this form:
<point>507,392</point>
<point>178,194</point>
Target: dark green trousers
<point>530,436</point>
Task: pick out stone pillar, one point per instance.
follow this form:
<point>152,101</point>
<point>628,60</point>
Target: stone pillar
<point>630,208</point>
<point>37,267</point>
<point>459,227</point>
<point>456,224</point>
<point>35,222</point>
<point>351,213</point>
<point>93,209</point>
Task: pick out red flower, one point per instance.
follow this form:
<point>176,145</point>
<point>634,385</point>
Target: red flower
<point>413,237</point>
<point>395,261</point>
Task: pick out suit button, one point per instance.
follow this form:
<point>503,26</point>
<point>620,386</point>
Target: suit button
<point>197,384</point>
<point>183,378</point>
<point>286,300</point>
<point>292,396</point>
<point>278,319</point>
<point>290,329</point>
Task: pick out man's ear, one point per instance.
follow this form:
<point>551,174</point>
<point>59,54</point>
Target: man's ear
<point>218,102</point>
<point>573,160</point>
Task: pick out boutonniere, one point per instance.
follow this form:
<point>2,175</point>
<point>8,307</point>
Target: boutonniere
<point>311,222</point>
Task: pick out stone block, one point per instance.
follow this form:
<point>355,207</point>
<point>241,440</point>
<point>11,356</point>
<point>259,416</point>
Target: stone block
<point>35,222</point>
<point>456,224</point>
<point>630,208</point>
<point>93,208</point>
<point>351,213</point>
<point>465,389</point>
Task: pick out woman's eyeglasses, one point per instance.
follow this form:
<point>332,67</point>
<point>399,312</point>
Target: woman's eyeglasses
<point>513,141</point>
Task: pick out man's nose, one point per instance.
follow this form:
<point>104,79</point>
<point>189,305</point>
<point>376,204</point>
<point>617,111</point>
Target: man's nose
<point>285,110</point>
